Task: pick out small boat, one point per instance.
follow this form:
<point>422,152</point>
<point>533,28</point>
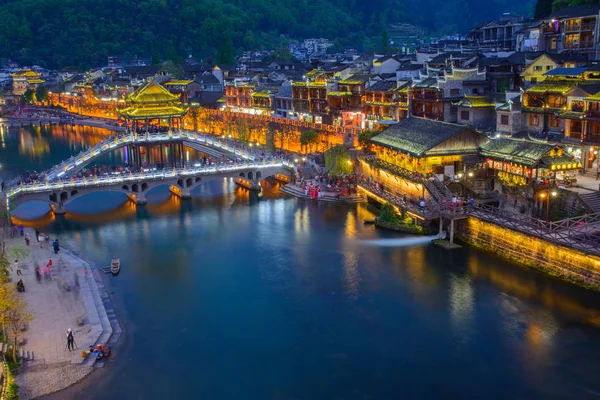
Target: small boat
<point>115,266</point>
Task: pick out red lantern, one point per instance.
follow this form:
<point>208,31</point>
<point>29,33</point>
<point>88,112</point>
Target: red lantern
<point>119,122</point>
<point>129,123</point>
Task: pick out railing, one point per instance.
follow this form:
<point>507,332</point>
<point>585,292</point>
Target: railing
<point>130,138</point>
<point>97,181</point>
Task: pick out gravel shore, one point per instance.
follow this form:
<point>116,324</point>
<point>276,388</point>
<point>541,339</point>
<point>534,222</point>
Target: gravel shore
<point>38,380</point>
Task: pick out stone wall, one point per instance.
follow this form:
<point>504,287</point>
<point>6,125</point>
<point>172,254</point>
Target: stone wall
<point>555,260</point>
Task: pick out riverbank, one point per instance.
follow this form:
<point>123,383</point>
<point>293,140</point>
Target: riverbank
<point>69,295</point>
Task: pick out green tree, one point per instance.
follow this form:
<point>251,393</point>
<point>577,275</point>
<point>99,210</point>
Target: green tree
<point>16,315</point>
<point>308,139</point>
<point>385,38</point>
<point>176,71</point>
<point>338,161</point>
<point>41,94</point>
<point>270,140</point>
<point>225,52</point>
<point>364,139</point>
<point>283,53</point>
<point>388,214</point>
<point>28,96</point>
<point>543,8</point>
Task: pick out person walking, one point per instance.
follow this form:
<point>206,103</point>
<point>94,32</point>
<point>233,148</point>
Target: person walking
<point>17,268</point>
<point>56,246</point>
<point>27,239</point>
<point>37,234</point>
<point>70,340</point>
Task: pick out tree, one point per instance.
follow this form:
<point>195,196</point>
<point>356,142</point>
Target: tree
<point>28,96</point>
<point>543,8</point>
<point>41,94</point>
<point>283,53</point>
<point>308,139</point>
<point>14,315</point>
<point>225,52</point>
<point>270,139</point>
<point>388,214</point>
<point>364,139</point>
<point>338,161</point>
<point>176,71</point>
<point>385,38</point>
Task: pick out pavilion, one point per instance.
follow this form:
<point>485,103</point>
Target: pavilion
<point>153,108</point>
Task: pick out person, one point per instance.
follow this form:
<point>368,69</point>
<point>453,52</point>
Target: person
<point>27,239</point>
<point>20,286</point>
<point>38,274</point>
<point>18,268</point>
<point>70,340</point>
<point>56,246</point>
<point>37,234</point>
<point>21,229</point>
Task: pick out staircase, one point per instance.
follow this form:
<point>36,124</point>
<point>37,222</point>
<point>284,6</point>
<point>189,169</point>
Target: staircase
<point>591,200</point>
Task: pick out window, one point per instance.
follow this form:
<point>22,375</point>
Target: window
<point>475,91</point>
<point>548,67</point>
<point>534,80</point>
<point>534,120</point>
<point>504,120</point>
<point>538,68</point>
<point>454,92</point>
<point>464,115</point>
<point>554,122</point>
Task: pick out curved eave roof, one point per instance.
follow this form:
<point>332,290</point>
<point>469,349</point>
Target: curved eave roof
<point>153,112</point>
<point>152,92</point>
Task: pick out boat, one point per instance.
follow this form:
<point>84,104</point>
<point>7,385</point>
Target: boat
<point>115,266</point>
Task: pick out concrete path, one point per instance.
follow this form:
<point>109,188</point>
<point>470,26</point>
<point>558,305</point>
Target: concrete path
<point>64,299</point>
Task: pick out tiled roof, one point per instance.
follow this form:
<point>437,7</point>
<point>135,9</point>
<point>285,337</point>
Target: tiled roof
<point>356,79</point>
<point>477,102</point>
<point>382,86</point>
<point>522,151</point>
<point>417,135</point>
<point>586,10</point>
<point>152,92</point>
<point>554,86</point>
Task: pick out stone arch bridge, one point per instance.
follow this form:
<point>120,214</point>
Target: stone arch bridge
<point>181,182</point>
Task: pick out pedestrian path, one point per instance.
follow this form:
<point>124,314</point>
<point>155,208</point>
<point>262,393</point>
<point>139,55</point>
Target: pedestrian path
<point>66,298</point>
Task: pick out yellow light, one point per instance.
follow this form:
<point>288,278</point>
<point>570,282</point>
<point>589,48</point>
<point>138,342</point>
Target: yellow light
<point>554,193</point>
<point>460,175</point>
<point>543,195</point>
<point>470,174</point>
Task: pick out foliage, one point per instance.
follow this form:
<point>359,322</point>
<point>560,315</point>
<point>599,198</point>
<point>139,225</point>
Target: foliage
<point>558,4</point>
<point>61,33</point>
<point>337,161</point>
<point>364,139</point>
<point>14,314</point>
<point>28,96</point>
<point>175,70</point>
<point>543,8</point>
<point>388,214</point>
<point>12,391</point>
<point>270,140</point>
<point>309,138</point>
<point>41,94</point>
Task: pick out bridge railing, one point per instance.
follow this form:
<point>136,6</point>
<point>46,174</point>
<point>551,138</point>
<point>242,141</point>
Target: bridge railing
<point>129,138</point>
<point>203,169</point>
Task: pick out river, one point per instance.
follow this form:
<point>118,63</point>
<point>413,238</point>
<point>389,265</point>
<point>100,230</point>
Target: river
<point>234,295</point>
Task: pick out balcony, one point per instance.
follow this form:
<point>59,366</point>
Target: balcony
<point>426,97</point>
<point>550,30</point>
<point>592,114</point>
<point>588,26</point>
<point>572,27</point>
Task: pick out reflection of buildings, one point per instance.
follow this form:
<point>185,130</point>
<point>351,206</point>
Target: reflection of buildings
<point>36,147</point>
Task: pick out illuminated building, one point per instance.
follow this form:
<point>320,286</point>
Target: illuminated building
<point>24,80</point>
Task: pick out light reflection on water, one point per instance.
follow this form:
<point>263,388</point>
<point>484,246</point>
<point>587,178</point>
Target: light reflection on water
<point>325,306</point>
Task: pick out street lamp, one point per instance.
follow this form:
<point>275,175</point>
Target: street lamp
<point>546,196</point>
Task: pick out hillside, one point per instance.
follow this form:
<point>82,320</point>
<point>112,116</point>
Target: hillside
<point>59,33</point>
